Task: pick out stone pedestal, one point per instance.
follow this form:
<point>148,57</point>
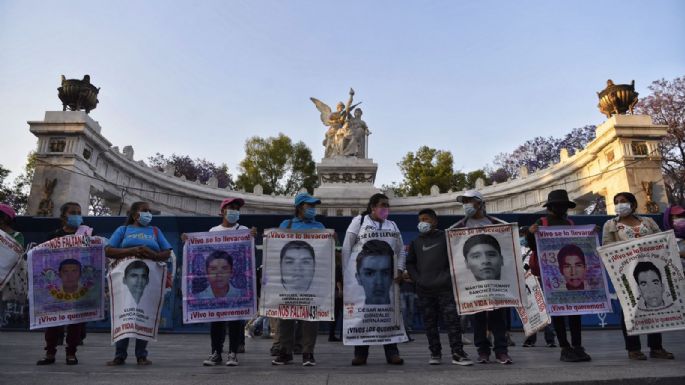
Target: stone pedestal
<point>345,182</point>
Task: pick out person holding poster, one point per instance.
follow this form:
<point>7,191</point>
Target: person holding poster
<point>297,271</point>
<point>140,240</point>
<point>484,259</point>
<point>674,218</point>
<point>428,265</point>
<point>372,243</point>
<point>219,266</point>
<point>625,226</point>
<point>557,206</point>
<point>11,261</point>
<point>71,222</point>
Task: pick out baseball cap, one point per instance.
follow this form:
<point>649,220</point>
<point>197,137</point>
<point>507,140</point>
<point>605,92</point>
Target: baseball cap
<point>470,194</point>
<point>7,209</point>
<point>304,197</point>
<point>228,201</point>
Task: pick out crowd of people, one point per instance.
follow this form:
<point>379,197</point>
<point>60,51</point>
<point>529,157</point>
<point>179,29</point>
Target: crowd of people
<point>422,269</point>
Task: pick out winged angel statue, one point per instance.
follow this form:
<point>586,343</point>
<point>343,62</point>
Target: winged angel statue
<point>347,133</point>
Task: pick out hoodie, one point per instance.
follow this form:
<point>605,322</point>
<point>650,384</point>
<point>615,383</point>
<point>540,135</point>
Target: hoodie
<point>428,263</point>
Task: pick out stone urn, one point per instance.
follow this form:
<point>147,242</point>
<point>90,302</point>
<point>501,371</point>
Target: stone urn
<point>617,98</point>
<point>78,94</point>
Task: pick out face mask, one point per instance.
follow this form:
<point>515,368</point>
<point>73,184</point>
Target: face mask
<point>310,212</point>
<point>145,218</point>
<point>523,242</point>
<point>424,227</point>
<point>232,216</point>
<point>469,210</point>
<point>382,213</point>
<point>623,209</point>
<point>74,221</point>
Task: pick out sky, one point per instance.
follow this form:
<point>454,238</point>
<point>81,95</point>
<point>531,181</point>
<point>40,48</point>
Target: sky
<point>198,78</point>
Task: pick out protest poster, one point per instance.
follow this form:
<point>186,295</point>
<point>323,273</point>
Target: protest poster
<point>136,296</point>
<point>219,281</point>
<point>533,313</point>
<point>571,271</point>
<point>298,279</point>
<point>486,268</point>
<point>648,278</point>
<point>10,254</point>
<point>66,281</point>
<point>371,306</point>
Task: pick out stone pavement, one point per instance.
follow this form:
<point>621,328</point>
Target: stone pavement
<point>177,359</point>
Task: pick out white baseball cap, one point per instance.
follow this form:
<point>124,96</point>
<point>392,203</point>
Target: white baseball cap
<point>470,194</point>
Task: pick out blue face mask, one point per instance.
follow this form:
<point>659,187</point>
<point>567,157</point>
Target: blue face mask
<point>310,213</point>
<point>145,218</point>
<point>232,216</point>
<point>74,221</point>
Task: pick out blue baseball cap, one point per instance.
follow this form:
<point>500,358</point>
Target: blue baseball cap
<point>304,197</point>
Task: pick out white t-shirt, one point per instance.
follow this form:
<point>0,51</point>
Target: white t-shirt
<point>356,226</point>
<point>221,227</point>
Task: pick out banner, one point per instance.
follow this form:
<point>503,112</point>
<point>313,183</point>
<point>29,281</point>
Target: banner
<point>572,274</point>
<point>533,313</point>
<point>371,306</point>
<point>66,281</point>
<point>486,268</point>
<point>648,278</point>
<point>136,296</point>
<point>10,254</point>
<point>298,279</point>
<point>219,276</point>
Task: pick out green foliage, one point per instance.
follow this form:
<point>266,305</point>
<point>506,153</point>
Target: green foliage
<point>278,165</point>
<point>17,195</point>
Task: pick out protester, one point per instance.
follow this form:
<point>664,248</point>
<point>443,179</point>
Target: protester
<point>428,266</point>
<point>71,223</point>
<point>336,325</point>
<point>625,226</point>
<point>230,214</point>
<point>16,286</point>
<point>557,206</point>
<point>137,239</point>
<point>304,219</point>
<point>674,218</point>
<point>374,218</point>
<point>475,215</point>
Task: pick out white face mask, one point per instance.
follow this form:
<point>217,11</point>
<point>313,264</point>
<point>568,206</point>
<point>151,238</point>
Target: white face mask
<point>424,227</point>
<point>623,209</point>
<point>469,210</point>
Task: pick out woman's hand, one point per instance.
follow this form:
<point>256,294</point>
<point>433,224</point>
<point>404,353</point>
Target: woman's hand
<point>533,228</point>
<point>184,237</point>
<point>253,231</point>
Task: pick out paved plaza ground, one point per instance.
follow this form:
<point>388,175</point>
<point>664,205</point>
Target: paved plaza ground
<point>177,359</point>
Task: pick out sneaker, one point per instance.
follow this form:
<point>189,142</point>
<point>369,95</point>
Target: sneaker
<point>661,353</point>
<point>232,360</point>
<point>483,358</point>
<point>460,357</point>
<point>580,352</point>
<point>72,360</point>
<point>282,359</point>
<point>436,359</point>
<point>358,361</point>
<point>395,360</point>
<point>308,359</point>
<point>636,355</point>
<point>551,345</point>
<point>503,358</point>
<point>528,344</point>
<point>569,355</point>
<point>116,361</point>
<point>143,361</point>
<point>213,360</point>
<point>466,341</point>
<point>47,360</point>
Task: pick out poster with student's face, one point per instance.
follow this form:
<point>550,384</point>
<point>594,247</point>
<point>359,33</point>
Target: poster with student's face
<point>219,281</point>
<point>66,281</point>
<point>486,269</point>
<point>298,279</point>
<point>10,253</point>
<point>136,296</point>
<point>649,282</point>
<point>571,271</point>
<point>371,313</point>
<point>533,313</point>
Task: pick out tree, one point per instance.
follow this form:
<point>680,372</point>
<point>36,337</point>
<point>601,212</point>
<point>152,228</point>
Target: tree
<point>425,168</point>
<point>541,152</point>
<point>666,105</point>
<point>198,169</point>
<point>17,195</point>
<point>278,165</point>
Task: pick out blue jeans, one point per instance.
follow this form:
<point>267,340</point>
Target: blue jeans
<point>122,348</point>
<point>408,309</point>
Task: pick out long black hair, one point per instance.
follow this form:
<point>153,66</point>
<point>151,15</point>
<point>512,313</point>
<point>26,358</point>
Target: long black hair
<point>374,200</point>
